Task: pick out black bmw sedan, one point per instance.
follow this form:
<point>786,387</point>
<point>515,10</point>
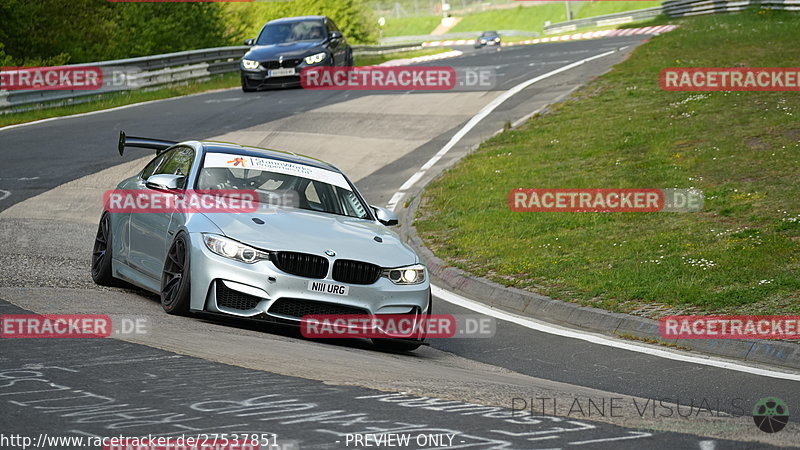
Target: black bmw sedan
<point>286,46</point>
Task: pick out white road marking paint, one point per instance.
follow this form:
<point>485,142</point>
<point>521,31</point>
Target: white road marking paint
<point>4,194</point>
<point>708,445</point>
<point>632,435</point>
<point>398,196</point>
<point>223,100</point>
<point>533,324</point>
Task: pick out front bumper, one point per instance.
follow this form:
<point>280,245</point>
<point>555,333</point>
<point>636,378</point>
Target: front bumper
<point>256,288</point>
<point>259,78</point>
<point>261,81</point>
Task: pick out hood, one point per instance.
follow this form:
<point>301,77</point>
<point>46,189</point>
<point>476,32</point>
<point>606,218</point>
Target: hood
<point>312,232</point>
<point>288,50</point>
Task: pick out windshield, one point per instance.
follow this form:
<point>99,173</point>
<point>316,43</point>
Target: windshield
<point>282,183</point>
<point>281,33</point>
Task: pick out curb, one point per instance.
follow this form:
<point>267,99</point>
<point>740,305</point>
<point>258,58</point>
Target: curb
<point>418,59</point>
<point>567,37</point>
<point>762,351</point>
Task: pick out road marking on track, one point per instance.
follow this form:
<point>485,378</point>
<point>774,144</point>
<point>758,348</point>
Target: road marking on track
<point>4,194</point>
<point>475,120</point>
<point>451,297</point>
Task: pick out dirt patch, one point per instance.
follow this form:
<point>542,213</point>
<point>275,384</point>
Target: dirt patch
<point>756,143</point>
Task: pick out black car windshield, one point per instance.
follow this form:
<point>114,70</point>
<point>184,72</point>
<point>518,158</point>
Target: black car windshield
<point>285,32</point>
<point>489,34</point>
<point>282,184</point>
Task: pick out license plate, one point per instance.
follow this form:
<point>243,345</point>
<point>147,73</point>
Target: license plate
<point>281,72</point>
<point>328,288</point>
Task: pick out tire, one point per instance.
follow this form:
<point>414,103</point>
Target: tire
<point>396,345</point>
<point>101,254</point>
<point>403,345</point>
<point>175,282</point>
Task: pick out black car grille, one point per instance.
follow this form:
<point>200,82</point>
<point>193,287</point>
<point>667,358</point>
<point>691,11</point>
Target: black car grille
<point>355,272</point>
<point>287,63</point>
<point>295,307</point>
<point>232,299</point>
<point>301,264</point>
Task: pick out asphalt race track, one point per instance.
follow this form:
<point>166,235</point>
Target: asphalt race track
<point>198,375</point>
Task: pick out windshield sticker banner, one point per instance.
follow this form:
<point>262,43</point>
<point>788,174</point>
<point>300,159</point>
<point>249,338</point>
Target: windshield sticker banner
<point>223,160</point>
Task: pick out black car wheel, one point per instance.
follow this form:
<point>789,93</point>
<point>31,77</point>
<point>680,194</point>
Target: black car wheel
<point>101,254</point>
<point>175,283</point>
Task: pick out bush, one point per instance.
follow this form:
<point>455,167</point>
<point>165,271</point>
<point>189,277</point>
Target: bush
<point>50,32</point>
<point>78,31</point>
<point>356,20</point>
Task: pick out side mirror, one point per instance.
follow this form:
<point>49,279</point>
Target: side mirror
<point>335,35</point>
<point>165,182</point>
<point>384,216</point>
<point>250,42</point>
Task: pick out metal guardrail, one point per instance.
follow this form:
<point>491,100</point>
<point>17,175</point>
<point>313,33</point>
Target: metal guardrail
<point>150,72</point>
<point>680,8</point>
<point>672,8</point>
<point>452,36</point>
<point>604,20</point>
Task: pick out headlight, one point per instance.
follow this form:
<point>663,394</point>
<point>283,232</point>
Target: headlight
<point>406,275</point>
<point>250,64</point>
<point>233,249</point>
<point>497,39</point>
<point>314,59</point>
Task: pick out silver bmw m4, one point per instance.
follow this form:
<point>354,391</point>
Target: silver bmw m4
<point>305,242</point>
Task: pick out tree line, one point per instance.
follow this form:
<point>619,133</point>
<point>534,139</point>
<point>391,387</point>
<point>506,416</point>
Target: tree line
<point>51,32</point>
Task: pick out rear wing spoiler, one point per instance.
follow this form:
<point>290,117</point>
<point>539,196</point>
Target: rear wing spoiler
<point>159,145</point>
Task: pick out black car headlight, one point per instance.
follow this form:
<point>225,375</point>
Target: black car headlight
<point>250,64</point>
<point>315,58</point>
<point>234,249</point>
<point>406,275</point>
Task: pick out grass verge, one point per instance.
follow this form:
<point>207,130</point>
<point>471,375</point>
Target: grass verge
<point>533,18</point>
<point>740,255</point>
<point>528,18</point>
<point>228,80</point>
<point>410,26</point>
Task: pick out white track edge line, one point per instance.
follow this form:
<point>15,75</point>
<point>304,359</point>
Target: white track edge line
<point>533,324</point>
